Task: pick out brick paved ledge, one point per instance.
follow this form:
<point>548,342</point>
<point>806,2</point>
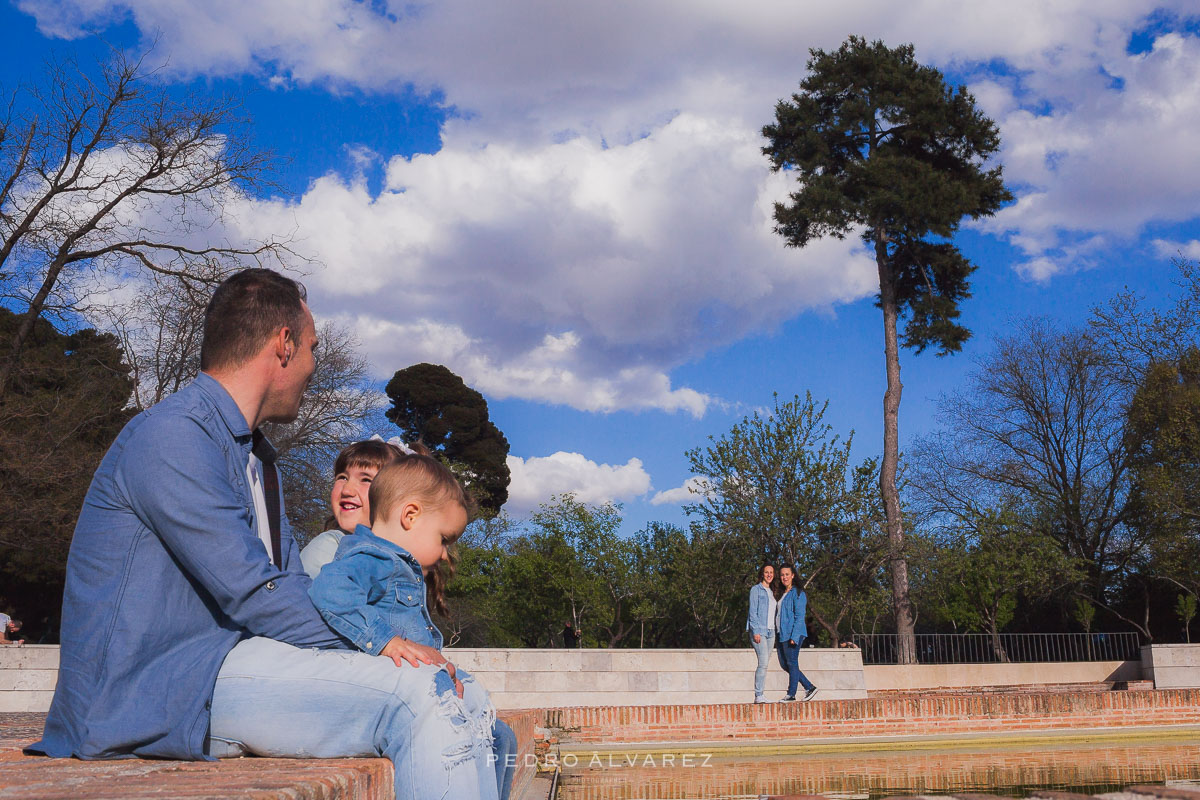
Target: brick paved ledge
<point>902,716</point>
<point>258,778</point>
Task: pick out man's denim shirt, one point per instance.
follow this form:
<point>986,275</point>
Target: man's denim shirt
<point>372,591</point>
<point>165,575</point>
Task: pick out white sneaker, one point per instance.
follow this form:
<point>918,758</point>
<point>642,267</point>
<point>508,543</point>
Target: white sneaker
<point>760,699</point>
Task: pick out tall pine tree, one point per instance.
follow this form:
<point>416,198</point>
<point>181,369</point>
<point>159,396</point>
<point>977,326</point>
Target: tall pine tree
<point>432,404</point>
<point>882,147</point>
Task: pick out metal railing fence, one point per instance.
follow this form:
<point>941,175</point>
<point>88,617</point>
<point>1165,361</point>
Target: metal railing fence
<point>983,648</point>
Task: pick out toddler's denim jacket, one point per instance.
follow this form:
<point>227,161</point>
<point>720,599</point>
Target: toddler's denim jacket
<point>372,591</point>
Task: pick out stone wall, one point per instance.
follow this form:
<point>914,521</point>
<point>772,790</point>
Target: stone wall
<point>920,677</point>
<point>549,678</point>
<point>27,676</point>
<point>521,678</point>
<point>1172,666</point>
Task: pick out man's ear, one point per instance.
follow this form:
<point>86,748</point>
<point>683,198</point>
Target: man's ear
<point>284,346</point>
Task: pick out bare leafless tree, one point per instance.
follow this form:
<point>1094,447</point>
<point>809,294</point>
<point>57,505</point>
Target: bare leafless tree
<point>1041,424</point>
<point>1131,335</point>
<point>160,329</point>
<point>109,173</point>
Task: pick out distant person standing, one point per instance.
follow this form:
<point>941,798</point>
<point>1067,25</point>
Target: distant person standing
<point>8,629</point>
<point>760,622</point>
<point>793,605</point>
<point>570,636</point>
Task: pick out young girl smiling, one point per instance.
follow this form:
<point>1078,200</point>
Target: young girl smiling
<point>374,591</point>
<point>353,471</point>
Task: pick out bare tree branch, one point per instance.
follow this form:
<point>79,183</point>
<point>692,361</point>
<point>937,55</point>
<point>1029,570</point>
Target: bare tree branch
<point>114,175</point>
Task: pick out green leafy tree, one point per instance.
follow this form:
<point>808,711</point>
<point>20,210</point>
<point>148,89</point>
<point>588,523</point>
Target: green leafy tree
<point>432,404</point>
<point>781,487</point>
<point>545,584</point>
<point>846,577</point>
<point>989,563</point>
<point>881,146</point>
<point>659,547</point>
<point>698,585</point>
<point>1163,437</point>
<point>67,400</point>
<point>475,599</point>
<point>1185,609</point>
<point>609,565</point>
<point>1145,351</point>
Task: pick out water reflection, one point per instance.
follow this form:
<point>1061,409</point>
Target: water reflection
<point>1089,769</point>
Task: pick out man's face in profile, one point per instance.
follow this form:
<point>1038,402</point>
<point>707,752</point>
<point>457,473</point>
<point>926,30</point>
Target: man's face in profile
<point>297,374</point>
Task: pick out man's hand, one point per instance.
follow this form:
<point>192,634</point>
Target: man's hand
<point>757,638</point>
<point>791,642</point>
<point>400,650</point>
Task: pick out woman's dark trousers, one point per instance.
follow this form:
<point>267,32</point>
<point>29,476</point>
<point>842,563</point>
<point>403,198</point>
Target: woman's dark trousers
<point>789,659</point>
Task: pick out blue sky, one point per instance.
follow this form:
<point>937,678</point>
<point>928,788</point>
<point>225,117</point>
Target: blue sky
<point>565,203</point>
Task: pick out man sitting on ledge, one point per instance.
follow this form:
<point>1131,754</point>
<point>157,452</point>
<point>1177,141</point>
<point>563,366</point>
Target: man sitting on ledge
<point>187,629</point>
<point>8,625</point>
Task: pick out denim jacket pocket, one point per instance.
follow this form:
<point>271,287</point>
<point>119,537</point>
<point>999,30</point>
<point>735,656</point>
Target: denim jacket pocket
<point>409,594</point>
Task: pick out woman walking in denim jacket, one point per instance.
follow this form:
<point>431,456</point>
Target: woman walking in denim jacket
<point>793,605</point>
<point>760,622</point>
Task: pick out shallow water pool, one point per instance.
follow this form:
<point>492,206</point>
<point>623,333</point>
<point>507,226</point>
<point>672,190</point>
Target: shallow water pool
<point>1012,770</point>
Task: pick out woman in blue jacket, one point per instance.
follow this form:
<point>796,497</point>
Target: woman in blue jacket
<point>760,622</point>
<point>792,632</point>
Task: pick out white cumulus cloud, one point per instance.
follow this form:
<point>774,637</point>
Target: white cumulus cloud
<point>689,492</point>
<point>1168,249</point>
<point>535,480</point>
<point>599,211</point>
<point>567,272</point>
<point>1107,161</point>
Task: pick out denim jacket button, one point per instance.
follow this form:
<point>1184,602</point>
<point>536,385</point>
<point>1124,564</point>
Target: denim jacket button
<point>410,597</point>
<point>270,587</point>
<point>370,644</point>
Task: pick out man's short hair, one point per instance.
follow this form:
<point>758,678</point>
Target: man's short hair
<point>247,309</point>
